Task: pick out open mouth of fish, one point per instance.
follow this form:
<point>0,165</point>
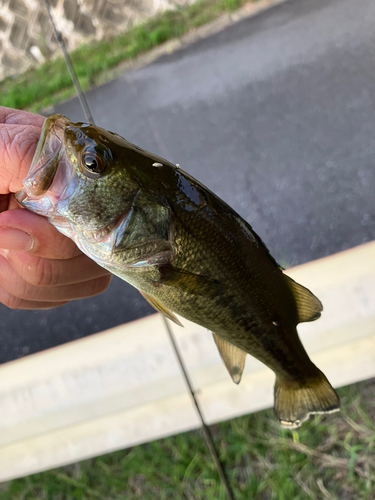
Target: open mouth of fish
<point>48,178</point>
<point>52,179</point>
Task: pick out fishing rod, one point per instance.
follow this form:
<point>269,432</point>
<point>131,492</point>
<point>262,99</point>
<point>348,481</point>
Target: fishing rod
<point>77,85</point>
<point>206,430</point>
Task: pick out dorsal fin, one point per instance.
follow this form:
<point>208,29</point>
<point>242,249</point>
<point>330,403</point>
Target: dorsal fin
<point>159,307</point>
<point>309,307</point>
<point>233,358</point>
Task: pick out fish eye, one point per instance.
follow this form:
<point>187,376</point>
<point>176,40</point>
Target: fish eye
<point>94,162</point>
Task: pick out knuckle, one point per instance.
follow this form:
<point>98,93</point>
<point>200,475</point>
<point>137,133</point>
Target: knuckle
<point>41,272</point>
<point>37,272</point>
<point>11,301</point>
<point>46,274</point>
<point>22,289</point>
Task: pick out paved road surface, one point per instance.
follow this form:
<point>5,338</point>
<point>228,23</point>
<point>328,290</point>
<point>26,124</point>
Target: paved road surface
<point>276,114</point>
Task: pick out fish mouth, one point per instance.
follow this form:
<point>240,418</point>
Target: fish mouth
<point>45,181</point>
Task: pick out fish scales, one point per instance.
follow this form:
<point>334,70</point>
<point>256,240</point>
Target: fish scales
<point>184,249</point>
<point>231,314</point>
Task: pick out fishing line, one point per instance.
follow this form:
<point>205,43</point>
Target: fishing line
<point>206,430</point>
<point>77,85</point>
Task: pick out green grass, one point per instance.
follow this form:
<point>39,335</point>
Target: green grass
<point>330,457</point>
<point>50,83</point>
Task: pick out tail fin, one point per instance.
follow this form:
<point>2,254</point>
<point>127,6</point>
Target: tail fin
<point>295,401</point>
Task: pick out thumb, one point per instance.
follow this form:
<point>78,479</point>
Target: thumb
<point>17,147</point>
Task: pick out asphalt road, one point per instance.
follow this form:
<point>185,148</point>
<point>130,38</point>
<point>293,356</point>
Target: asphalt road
<point>275,114</point>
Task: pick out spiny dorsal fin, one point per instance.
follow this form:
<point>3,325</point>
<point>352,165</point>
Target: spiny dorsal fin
<point>233,358</point>
<point>309,307</point>
<point>159,307</point>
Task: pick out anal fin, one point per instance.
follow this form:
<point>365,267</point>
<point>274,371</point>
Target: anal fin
<point>233,358</point>
<point>160,308</point>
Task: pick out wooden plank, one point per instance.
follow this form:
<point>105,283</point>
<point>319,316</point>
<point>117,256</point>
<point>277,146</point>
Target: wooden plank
<point>122,387</point>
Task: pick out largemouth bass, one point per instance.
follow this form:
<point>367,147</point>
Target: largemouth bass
<point>184,249</point>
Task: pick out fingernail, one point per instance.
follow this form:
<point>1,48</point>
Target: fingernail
<point>14,239</point>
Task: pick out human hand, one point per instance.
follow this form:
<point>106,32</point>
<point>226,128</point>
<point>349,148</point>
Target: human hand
<point>39,267</point>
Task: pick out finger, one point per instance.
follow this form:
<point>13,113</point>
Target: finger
<point>17,147</point>
<point>16,116</point>
<point>46,272</point>
<point>16,286</point>
<point>15,303</point>
<point>35,235</point>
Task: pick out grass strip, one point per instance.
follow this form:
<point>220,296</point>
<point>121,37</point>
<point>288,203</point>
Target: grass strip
<point>49,83</point>
<point>329,457</point>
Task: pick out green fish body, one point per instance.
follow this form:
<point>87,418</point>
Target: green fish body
<point>184,249</point>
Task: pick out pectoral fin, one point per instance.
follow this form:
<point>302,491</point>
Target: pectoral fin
<point>185,280</point>
<point>309,307</point>
<point>233,358</point>
<point>159,307</point>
